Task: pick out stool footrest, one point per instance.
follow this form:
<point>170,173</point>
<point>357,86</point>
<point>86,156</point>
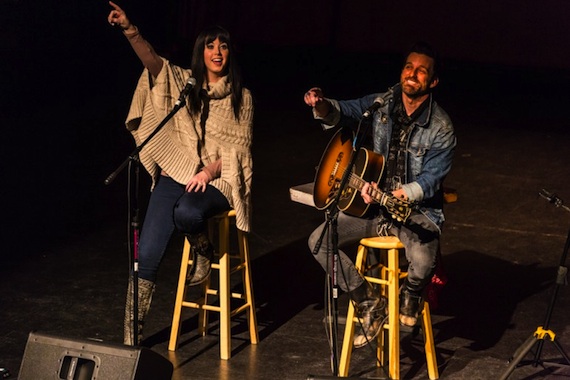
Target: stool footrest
<point>240,309</point>
<point>233,269</point>
<point>215,292</point>
<point>195,305</point>
<point>376,280</point>
<point>202,306</point>
<point>215,265</point>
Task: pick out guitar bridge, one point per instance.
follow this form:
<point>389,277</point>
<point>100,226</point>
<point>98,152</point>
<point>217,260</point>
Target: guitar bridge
<point>332,176</point>
<point>346,194</point>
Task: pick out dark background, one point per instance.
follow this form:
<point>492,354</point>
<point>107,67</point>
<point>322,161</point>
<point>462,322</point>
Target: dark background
<point>66,79</point>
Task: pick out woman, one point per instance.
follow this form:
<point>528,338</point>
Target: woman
<point>200,162</point>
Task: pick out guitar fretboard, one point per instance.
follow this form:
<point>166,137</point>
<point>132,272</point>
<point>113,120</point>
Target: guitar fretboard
<point>358,183</point>
<point>400,209</point>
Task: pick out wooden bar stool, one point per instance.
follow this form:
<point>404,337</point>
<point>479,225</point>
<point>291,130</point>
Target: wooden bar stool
<point>224,295</point>
<point>389,281</point>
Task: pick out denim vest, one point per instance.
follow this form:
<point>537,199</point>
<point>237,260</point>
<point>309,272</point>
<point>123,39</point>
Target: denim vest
<point>430,146</point>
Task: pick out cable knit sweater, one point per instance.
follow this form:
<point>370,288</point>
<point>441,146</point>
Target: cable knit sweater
<point>176,150</point>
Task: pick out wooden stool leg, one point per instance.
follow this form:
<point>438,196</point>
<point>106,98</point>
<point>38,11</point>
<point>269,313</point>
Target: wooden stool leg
<point>393,312</point>
<point>224,290</point>
<point>203,312</point>
<point>431,359</point>
<point>382,350</point>
<point>248,286</point>
<point>180,293</point>
<point>348,340</point>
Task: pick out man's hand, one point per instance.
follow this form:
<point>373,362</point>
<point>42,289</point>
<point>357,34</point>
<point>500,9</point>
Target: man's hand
<point>369,187</point>
<point>366,190</point>
<point>315,98</point>
<point>400,194</point>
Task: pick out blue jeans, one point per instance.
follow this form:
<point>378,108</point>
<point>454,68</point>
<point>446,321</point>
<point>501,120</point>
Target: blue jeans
<point>170,207</point>
<point>420,236</point>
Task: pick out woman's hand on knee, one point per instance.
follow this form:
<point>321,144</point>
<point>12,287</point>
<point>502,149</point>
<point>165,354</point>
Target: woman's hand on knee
<point>198,183</point>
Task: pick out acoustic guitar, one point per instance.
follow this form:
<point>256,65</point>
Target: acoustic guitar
<point>369,166</point>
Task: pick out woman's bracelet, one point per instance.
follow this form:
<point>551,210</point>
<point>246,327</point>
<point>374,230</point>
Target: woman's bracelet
<point>130,34</point>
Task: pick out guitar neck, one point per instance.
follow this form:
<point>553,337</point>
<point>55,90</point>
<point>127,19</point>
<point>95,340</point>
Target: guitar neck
<point>358,183</point>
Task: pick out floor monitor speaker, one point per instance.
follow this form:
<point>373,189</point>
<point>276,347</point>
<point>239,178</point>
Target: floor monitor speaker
<point>52,358</point>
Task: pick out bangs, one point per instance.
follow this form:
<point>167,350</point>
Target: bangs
<point>217,32</point>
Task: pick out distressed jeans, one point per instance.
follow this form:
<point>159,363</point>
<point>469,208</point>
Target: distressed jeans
<point>420,236</point>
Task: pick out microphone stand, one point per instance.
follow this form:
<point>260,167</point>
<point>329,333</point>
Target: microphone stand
<point>331,224</point>
<point>134,228</point>
<point>543,331</point>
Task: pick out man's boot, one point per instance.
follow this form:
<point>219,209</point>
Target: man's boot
<point>410,306</point>
<point>145,292</point>
<point>202,253</point>
<point>371,309</point>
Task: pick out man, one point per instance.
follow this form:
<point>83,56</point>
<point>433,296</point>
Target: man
<point>416,138</point>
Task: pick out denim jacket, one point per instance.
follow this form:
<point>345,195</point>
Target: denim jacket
<point>430,145</point>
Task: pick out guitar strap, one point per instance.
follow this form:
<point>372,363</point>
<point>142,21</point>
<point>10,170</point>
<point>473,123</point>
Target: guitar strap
<point>395,165</point>
<point>384,225</point>
<point>402,127</point>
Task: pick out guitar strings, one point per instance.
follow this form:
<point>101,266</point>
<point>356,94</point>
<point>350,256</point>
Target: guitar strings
<point>383,198</point>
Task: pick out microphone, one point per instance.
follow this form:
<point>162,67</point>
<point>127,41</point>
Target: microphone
<point>550,197</point>
<point>553,198</point>
<point>378,102</point>
<point>191,82</point>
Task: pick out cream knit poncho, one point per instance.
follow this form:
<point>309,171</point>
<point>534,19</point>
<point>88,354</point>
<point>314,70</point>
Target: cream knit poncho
<point>177,149</point>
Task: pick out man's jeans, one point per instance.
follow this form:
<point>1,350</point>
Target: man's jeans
<point>420,236</point>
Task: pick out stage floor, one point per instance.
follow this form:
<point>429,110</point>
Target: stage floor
<point>502,245</point>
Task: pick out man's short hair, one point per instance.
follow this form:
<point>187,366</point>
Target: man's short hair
<point>422,47</point>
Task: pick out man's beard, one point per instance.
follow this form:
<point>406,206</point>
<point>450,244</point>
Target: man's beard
<point>414,93</point>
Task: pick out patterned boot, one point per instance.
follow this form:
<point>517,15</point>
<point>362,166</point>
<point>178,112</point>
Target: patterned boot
<point>202,253</point>
<point>410,307</point>
<point>372,314</point>
<point>371,309</point>
<point>146,290</point>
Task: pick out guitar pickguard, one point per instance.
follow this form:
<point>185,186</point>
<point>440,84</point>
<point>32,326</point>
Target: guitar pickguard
<point>346,195</point>
<point>333,180</point>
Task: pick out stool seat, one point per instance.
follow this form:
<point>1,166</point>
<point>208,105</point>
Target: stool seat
<point>206,303</point>
<point>389,280</point>
<point>382,242</point>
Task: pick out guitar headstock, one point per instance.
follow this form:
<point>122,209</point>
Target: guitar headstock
<point>400,209</point>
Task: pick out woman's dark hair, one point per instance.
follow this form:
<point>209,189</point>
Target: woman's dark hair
<point>199,68</point>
